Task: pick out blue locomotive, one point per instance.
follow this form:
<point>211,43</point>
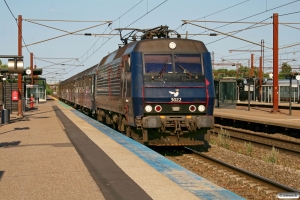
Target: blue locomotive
<point>159,91</point>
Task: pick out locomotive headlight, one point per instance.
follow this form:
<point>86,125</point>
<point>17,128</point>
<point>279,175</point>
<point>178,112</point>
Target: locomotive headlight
<point>201,108</point>
<point>148,108</point>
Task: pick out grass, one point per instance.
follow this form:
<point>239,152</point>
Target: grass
<point>248,148</point>
<point>223,139</point>
<point>272,156</point>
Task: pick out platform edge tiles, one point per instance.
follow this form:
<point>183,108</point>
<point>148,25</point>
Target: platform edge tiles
<point>120,148</point>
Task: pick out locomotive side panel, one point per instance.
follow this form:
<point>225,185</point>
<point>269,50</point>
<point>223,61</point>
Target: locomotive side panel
<point>210,88</point>
<point>109,85</point>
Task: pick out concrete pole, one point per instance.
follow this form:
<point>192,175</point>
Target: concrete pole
<point>260,78</point>
<point>20,111</point>
<point>275,62</point>
<point>252,66</point>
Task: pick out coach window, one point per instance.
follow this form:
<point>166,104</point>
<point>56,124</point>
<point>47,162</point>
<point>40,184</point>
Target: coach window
<point>158,63</point>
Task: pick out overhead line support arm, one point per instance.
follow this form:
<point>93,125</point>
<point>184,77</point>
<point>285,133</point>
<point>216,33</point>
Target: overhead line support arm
<point>225,34</point>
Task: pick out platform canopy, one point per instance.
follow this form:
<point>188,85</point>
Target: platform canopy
<point>35,71</point>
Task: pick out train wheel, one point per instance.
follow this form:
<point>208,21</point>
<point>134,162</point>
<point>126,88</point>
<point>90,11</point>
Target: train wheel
<point>128,131</point>
<point>136,134</point>
<point>121,125</point>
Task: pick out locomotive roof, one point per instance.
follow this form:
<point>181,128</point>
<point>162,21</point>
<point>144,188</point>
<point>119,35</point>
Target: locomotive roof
<point>156,45</point>
<point>86,72</point>
<point>147,46</point>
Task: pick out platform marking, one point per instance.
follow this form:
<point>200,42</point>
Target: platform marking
<point>188,180</point>
<point>65,105</point>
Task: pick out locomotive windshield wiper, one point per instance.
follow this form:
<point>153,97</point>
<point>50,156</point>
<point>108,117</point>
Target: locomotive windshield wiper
<point>185,71</point>
<point>162,71</point>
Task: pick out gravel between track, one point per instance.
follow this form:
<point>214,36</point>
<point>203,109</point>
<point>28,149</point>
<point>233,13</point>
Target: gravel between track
<point>286,170</point>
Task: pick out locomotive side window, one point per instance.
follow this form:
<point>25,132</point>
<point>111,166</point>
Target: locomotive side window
<point>158,63</point>
<point>188,63</point>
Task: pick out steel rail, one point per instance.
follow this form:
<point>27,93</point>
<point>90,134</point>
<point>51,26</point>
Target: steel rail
<point>250,136</point>
<point>260,178</point>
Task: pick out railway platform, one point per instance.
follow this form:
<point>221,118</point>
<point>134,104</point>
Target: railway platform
<point>263,115</point>
<point>56,152</point>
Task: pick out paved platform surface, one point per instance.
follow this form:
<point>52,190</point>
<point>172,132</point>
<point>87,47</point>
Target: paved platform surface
<point>38,161</point>
<point>262,115</point>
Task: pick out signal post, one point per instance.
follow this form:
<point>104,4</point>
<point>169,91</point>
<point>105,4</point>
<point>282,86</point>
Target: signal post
<point>20,111</point>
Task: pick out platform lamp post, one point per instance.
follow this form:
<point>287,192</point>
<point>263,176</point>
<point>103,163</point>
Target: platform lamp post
<point>298,78</point>
<point>248,82</point>
<point>4,86</point>
<point>271,77</point>
<point>4,96</point>
<point>290,95</point>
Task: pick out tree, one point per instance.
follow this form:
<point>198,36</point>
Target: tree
<point>241,72</point>
<point>286,69</point>
<point>3,65</point>
<point>49,91</point>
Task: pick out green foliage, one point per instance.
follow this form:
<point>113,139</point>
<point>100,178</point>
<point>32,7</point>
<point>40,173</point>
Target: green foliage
<point>248,148</point>
<point>48,90</point>
<point>243,71</point>
<point>212,141</point>
<point>3,65</point>
<point>286,70</point>
<point>272,156</point>
<point>223,139</point>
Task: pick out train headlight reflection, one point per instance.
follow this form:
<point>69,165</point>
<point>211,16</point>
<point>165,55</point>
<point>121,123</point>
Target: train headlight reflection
<point>148,108</point>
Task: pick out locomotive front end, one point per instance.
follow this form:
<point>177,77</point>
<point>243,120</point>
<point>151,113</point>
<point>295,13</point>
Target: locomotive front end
<point>177,96</point>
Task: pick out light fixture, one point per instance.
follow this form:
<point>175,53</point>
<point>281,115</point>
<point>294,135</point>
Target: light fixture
<point>201,108</point>
<point>271,75</point>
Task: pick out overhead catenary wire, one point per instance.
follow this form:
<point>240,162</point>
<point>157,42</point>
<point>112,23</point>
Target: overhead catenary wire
<point>220,10</point>
<point>55,20</point>
<point>107,28</point>
<point>112,36</point>
<point>17,24</point>
<point>227,35</point>
<point>69,33</point>
<point>127,27</point>
<point>289,13</point>
<point>146,13</point>
<point>257,14</point>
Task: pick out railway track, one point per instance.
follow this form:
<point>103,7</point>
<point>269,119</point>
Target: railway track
<point>259,138</point>
<point>261,184</point>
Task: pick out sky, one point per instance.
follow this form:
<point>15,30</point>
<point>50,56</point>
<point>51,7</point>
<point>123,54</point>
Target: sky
<point>78,52</point>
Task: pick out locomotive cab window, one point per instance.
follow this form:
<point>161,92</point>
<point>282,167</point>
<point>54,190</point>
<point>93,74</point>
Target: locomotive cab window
<point>188,63</point>
<point>173,68</point>
<point>158,63</point>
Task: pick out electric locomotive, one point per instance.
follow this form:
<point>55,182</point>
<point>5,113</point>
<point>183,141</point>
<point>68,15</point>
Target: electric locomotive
<point>157,90</point>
